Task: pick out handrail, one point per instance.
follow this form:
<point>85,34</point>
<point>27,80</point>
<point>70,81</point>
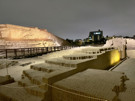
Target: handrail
<point>30,52</point>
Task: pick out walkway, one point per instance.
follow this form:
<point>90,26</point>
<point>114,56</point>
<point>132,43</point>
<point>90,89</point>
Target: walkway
<point>128,67</point>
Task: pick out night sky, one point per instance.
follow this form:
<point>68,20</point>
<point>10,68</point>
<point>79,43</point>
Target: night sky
<point>72,19</point>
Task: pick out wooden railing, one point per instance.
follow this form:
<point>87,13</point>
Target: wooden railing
<point>30,52</point>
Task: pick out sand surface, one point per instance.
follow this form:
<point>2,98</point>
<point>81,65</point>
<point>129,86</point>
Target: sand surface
<point>16,71</point>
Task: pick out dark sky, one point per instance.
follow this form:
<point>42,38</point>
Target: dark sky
<point>72,18</point>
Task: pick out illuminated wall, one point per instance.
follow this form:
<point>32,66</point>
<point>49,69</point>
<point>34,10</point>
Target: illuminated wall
<point>103,61</point>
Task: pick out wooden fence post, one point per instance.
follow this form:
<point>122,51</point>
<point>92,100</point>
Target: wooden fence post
<point>15,52</point>
<point>46,49</point>
<point>6,53</point>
